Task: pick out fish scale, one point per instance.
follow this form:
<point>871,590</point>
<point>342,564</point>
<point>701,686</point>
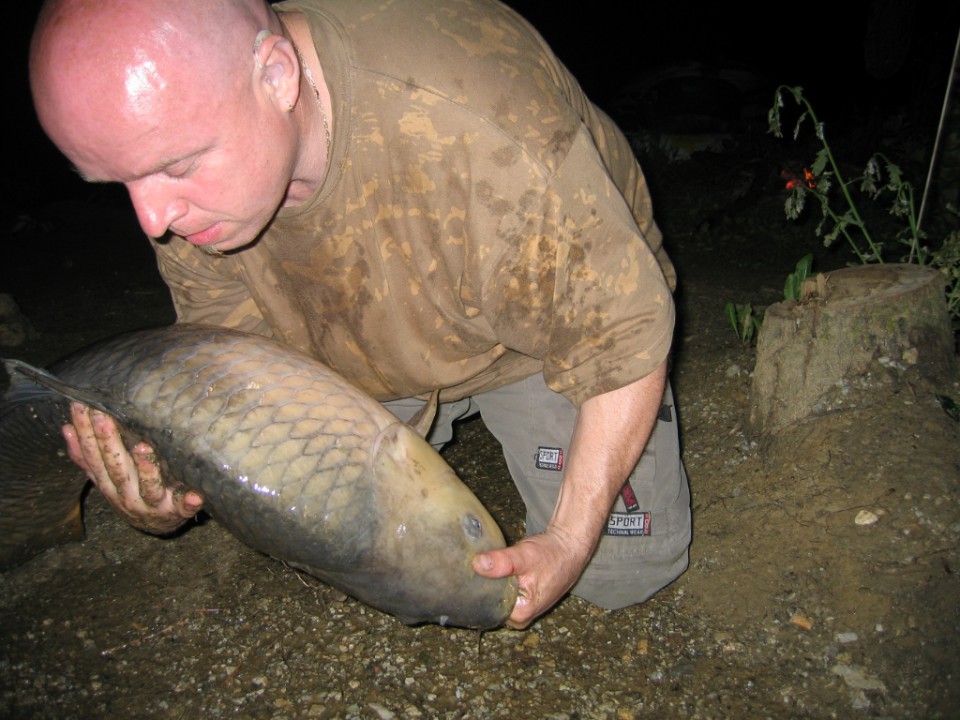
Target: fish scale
<point>289,457</point>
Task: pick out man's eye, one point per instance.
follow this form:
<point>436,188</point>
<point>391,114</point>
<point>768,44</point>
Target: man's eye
<point>180,170</point>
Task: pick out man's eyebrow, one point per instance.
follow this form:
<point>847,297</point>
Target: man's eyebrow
<point>87,178</point>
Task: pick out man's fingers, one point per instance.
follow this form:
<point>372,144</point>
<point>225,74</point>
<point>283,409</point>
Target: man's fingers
<point>190,504</point>
<point>73,447</point>
<point>503,563</point>
<point>154,492</point>
<point>523,614</point>
<point>116,459</point>
<point>85,451</point>
<point>152,489</point>
<point>495,563</point>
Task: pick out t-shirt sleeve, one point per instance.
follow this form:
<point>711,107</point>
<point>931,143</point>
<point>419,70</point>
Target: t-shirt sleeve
<point>580,288</point>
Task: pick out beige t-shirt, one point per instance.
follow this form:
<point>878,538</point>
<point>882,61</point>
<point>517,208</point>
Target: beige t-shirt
<point>481,221</point>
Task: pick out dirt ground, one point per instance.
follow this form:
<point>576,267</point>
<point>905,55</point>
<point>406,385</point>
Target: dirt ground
<point>790,607</point>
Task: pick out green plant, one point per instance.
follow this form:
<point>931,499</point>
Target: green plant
<point>824,174</point>
<point>880,177</point>
<point>745,324</point>
<point>791,288</point>
<point>947,259</point>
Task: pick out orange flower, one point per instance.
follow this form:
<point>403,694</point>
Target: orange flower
<point>809,179</point>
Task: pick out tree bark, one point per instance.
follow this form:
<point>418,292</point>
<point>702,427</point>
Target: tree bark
<point>847,321</point>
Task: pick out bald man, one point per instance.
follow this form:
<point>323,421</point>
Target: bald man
<point>419,195</point>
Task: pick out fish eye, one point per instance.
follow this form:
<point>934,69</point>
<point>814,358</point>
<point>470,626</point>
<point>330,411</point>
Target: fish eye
<point>472,526</point>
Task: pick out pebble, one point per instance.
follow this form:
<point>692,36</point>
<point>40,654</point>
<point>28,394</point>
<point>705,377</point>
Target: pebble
<point>865,517</point>
<point>802,621</point>
<point>382,712</point>
<point>856,677</point>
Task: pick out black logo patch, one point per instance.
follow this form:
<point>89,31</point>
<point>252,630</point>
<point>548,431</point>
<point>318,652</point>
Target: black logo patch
<point>549,458</point>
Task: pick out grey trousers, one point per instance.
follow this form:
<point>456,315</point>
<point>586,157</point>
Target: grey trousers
<point>645,544</point>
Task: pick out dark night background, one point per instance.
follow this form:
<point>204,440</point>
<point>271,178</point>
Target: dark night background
<point>608,45</point>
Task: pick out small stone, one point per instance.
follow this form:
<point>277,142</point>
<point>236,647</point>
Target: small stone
<point>382,712</point>
<point>801,620</point>
<point>856,677</point>
<point>865,517</point>
<point>859,700</point>
<point>845,638</point>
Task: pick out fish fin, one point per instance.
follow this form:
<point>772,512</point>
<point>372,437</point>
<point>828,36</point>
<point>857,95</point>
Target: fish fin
<point>423,420</point>
<point>72,525</point>
<point>23,540</point>
<point>20,371</point>
<point>26,543</point>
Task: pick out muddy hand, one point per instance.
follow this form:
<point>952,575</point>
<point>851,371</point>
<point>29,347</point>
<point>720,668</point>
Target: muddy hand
<point>129,480</point>
<point>546,567</point>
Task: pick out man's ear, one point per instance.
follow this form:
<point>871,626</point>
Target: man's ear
<point>278,68</point>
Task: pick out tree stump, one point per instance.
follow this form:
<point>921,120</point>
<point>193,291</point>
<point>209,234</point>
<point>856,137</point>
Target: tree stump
<point>847,321</point>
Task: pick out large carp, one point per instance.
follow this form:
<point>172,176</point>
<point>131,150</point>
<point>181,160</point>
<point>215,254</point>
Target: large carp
<point>289,457</point>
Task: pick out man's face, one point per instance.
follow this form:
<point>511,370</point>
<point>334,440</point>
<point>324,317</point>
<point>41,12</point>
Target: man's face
<point>211,162</point>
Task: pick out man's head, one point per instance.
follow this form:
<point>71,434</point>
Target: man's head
<point>171,98</point>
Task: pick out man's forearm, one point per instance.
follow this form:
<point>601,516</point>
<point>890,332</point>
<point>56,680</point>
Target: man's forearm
<point>610,435</point>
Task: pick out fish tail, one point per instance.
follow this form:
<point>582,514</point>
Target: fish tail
<point>40,487</point>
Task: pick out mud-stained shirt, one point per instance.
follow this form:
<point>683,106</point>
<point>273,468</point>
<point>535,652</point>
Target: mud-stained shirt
<point>481,221</point>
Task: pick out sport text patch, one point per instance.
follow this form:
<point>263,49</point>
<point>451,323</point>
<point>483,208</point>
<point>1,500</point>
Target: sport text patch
<point>549,458</point>
<point>635,524</point>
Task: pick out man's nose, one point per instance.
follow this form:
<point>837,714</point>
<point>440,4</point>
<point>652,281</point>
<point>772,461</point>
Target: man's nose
<point>157,208</point>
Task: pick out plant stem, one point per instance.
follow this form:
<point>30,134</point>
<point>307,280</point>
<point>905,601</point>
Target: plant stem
<point>840,182</point>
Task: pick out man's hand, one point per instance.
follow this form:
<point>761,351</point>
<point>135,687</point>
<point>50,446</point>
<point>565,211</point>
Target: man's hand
<point>546,566</point>
<point>130,481</point>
